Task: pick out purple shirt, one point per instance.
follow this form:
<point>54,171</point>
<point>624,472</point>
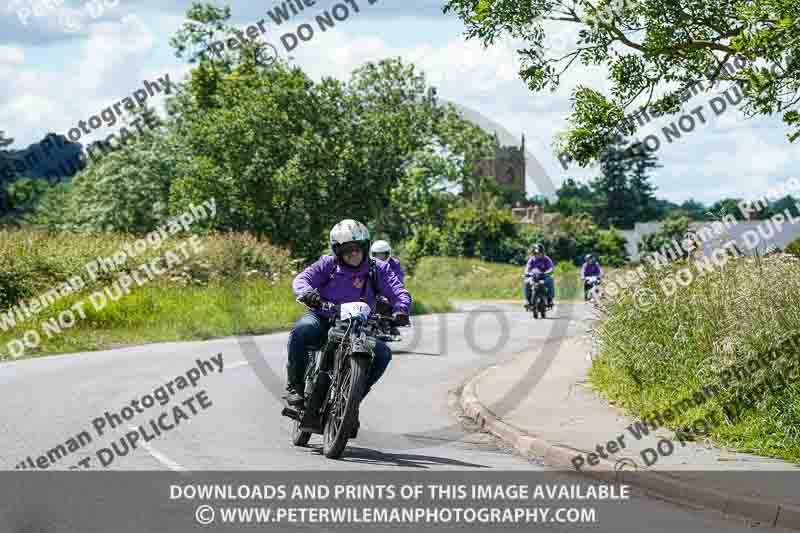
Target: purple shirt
<point>394,264</point>
<point>543,263</point>
<point>346,285</point>
<point>591,269</point>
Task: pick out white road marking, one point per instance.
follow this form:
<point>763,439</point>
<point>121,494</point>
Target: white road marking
<point>160,457</point>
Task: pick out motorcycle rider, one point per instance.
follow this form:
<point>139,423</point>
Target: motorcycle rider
<point>545,265</point>
<point>383,251</point>
<point>341,278</point>
<point>590,267</point>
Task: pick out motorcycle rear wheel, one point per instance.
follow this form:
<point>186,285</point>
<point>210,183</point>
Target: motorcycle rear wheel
<point>343,414</point>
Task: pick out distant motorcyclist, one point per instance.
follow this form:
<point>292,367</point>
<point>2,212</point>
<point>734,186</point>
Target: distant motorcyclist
<point>342,278</point>
<point>383,251</point>
<point>590,267</point>
<point>537,260</point>
<point>591,274</point>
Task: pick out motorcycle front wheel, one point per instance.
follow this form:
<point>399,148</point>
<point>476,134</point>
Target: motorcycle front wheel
<point>343,413</point>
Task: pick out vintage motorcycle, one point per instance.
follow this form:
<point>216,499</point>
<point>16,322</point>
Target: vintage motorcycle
<point>538,302</point>
<point>589,284</point>
<point>335,378</point>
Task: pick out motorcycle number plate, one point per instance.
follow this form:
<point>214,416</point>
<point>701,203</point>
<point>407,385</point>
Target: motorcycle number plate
<point>354,310</point>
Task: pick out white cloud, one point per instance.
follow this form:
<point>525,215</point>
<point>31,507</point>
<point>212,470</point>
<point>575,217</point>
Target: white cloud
<point>727,156</point>
<point>112,63</point>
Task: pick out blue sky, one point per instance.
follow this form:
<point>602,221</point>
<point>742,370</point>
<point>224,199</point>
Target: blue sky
<point>64,65</point>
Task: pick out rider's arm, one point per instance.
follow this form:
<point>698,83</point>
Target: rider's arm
<point>529,265</point>
<point>551,266</point>
<point>599,271</point>
<point>583,269</point>
<point>397,269</point>
<point>391,287</point>
<point>313,276</point>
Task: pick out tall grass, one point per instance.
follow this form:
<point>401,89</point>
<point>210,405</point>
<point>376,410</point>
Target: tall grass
<point>651,355</point>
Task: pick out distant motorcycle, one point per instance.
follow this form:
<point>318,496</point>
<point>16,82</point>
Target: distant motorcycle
<point>537,304</point>
<point>335,378</point>
<point>589,284</point>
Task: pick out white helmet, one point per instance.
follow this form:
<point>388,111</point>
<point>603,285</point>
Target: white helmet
<point>380,247</point>
<point>349,231</point>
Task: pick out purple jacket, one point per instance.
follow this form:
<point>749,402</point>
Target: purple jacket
<point>591,269</point>
<point>396,268</point>
<point>347,283</point>
<point>543,263</point>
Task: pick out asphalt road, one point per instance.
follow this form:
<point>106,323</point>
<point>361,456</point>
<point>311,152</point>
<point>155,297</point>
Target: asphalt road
<point>406,423</point>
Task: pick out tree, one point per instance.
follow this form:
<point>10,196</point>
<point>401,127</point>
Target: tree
<point>649,48</point>
<point>673,229</point>
<point>624,186</point>
<point>5,141</point>
<point>726,206</point>
<point>6,173</point>
<point>642,191</point>
<point>575,198</point>
<point>779,206</point>
<point>286,157</point>
<point>695,210</point>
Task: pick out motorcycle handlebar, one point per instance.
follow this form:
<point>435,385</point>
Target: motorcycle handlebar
<point>330,306</point>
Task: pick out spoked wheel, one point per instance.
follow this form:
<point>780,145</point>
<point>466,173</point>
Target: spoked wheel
<point>344,411</point>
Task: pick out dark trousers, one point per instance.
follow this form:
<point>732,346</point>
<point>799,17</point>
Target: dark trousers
<point>312,331</point>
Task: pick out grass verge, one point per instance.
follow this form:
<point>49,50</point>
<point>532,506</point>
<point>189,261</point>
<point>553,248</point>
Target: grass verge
<point>715,328</point>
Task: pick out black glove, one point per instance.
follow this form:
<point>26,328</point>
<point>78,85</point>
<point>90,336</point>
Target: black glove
<point>400,319</point>
<point>311,298</point>
<point>383,306</point>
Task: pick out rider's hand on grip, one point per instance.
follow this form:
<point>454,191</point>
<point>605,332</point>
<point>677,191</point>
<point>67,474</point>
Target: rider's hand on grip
<point>400,319</point>
<point>383,306</point>
<point>311,298</point>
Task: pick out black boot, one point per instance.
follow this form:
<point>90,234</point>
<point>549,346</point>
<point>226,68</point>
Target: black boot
<point>294,396</point>
<point>295,387</point>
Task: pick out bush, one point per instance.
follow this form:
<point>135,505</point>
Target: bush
<point>674,228</point>
<point>793,248</point>
<point>32,261</point>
